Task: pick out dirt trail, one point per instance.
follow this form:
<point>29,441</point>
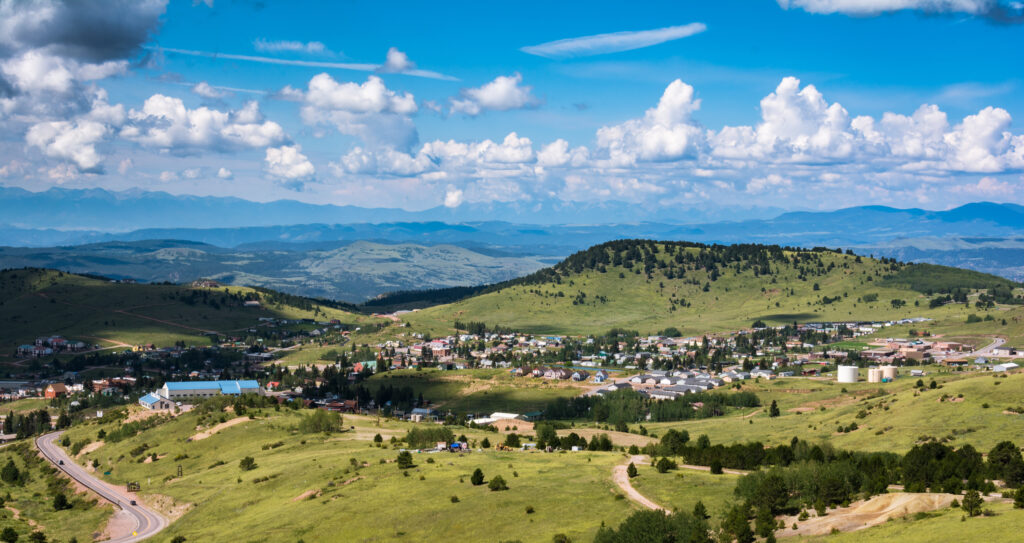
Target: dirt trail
<point>207,433</point>
<point>864,514</point>
<point>621,479</point>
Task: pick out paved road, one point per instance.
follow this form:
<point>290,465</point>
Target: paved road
<point>987,350</point>
<point>147,522</point>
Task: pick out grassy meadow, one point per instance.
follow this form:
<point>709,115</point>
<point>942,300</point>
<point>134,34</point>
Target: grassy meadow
<point>28,506</point>
<point>478,391</point>
<point>306,485</point>
<point>622,298</point>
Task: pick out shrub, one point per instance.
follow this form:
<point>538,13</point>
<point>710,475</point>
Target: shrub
<point>497,483</point>
<point>477,478</point>
<point>631,471</point>
<point>60,502</point>
<point>405,460</point>
<point>529,509</point>
<point>248,463</point>
<point>455,499</point>
<point>664,465</point>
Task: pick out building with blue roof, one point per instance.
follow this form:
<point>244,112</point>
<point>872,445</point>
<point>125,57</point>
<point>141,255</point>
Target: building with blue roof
<point>153,401</point>
<point>174,391</point>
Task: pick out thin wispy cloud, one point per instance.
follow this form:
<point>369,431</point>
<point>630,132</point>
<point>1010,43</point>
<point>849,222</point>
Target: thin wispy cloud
<point>288,46</point>
<point>354,66</point>
<point>614,42</point>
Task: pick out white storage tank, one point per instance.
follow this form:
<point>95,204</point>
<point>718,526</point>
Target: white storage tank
<point>888,373</point>
<point>847,374</point>
<point>875,375</point>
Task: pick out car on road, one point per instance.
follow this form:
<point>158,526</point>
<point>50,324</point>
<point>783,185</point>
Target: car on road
<point>133,502</point>
<point>60,462</point>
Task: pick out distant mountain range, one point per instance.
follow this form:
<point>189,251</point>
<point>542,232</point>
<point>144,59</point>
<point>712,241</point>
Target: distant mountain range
<point>353,272</point>
<point>107,211</point>
<point>447,247</point>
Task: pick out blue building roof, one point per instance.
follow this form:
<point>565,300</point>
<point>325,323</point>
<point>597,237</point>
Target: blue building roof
<point>226,387</point>
<point>150,398</point>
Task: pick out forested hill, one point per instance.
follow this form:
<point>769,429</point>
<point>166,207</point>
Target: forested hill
<point>673,259</point>
<point>38,302</point>
<point>649,285</point>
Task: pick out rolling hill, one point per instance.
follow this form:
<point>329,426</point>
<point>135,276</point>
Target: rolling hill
<point>649,286</point>
<point>350,271</point>
<point>39,302</point>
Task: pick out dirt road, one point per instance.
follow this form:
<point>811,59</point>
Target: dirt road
<point>621,479</point>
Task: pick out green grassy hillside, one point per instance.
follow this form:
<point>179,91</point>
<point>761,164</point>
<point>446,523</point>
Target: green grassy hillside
<point>308,485</point>
<point>648,286</point>
<point>37,302</point>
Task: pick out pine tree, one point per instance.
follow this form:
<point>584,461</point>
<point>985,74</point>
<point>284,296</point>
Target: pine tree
<point>972,503</point>
<point>477,478</point>
<point>773,411</point>
<point>700,511</point>
<point>631,471</point>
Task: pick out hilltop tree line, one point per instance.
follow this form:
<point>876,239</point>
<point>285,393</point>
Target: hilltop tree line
<point>625,406</point>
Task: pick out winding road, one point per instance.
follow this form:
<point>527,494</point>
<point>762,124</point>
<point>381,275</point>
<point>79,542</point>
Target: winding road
<point>621,478</point>
<point>147,522</point>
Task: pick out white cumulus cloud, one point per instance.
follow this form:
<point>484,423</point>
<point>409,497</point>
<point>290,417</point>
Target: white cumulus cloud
<point>502,94</point>
<point>288,163</point>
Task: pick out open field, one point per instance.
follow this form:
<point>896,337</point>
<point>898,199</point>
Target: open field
<point>29,507</point>
<point>478,391</point>
<point>813,409</point>
<point>681,489</point>
<point>312,483</point>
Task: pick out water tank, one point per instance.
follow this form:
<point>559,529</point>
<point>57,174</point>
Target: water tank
<point>874,375</point>
<point>847,374</point>
<point>888,372</point>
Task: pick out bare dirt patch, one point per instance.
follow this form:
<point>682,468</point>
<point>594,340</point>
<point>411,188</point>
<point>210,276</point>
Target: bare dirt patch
<point>149,459</point>
<point>801,410</point>
<point>90,448</point>
<point>306,495</point>
<point>864,514</point>
<point>167,506</point>
<point>219,427</point>
<point>119,525</point>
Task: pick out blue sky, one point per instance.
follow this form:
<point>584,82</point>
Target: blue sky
<point>798,104</point>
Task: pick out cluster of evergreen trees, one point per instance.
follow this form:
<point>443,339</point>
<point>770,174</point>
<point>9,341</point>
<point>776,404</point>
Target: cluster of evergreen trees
<point>30,424</point>
<point>547,437</point>
<point>624,406</point>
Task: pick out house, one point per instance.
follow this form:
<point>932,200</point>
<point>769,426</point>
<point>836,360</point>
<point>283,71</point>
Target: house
<point>1005,366</point>
<point>579,375</point>
<point>1005,350</point>
<point>55,390</point>
<point>600,376</point>
<point>155,402</point>
<point>420,414</point>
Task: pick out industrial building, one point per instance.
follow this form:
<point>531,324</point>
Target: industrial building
<point>168,395</point>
